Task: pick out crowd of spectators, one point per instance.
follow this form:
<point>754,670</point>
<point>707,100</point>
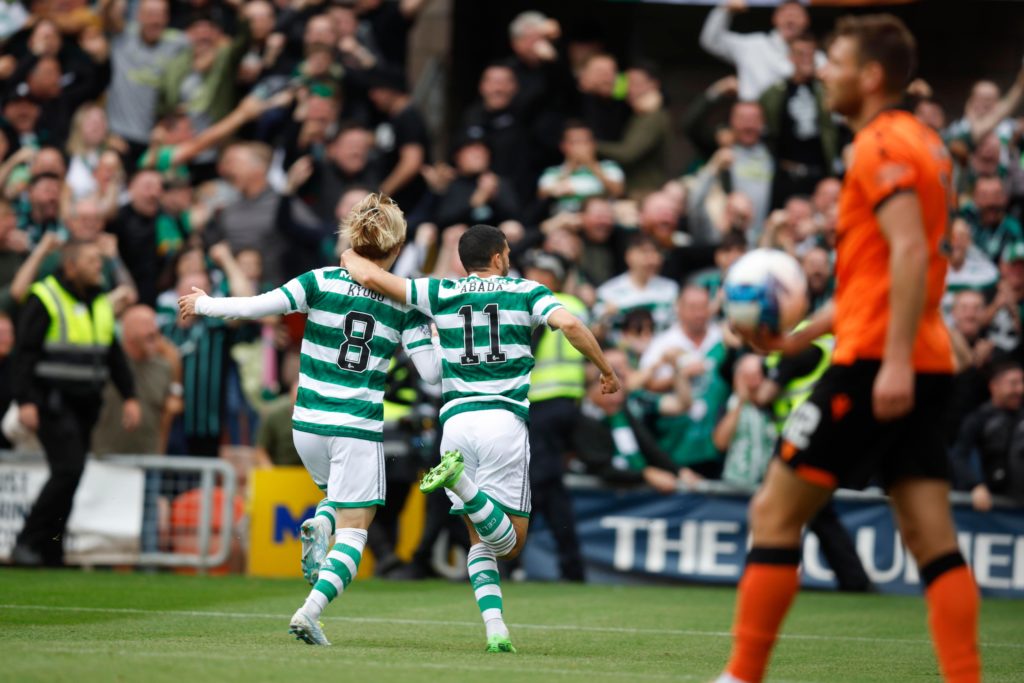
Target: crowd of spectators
<point>217,143</point>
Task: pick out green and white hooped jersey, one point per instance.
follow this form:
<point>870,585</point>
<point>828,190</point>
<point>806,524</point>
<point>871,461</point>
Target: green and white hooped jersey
<point>351,335</point>
<point>658,296</point>
<point>485,327</point>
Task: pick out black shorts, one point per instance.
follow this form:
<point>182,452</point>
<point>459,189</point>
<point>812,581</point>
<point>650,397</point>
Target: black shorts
<point>833,439</point>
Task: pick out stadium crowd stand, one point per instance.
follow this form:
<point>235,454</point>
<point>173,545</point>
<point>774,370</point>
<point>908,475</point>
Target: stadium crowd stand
<point>217,143</point>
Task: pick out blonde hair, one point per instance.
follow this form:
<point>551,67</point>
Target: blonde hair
<point>375,226</point>
<point>76,141</point>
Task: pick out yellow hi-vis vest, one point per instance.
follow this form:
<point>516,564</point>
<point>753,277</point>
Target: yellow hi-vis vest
<point>78,340</point>
<point>799,388</point>
<point>559,370</point>
<point>395,410</point>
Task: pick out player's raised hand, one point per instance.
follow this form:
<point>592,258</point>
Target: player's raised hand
<point>893,394</point>
<point>609,383</point>
<point>187,303</point>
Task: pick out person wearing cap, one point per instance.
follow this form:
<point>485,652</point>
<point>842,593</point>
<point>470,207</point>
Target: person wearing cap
<point>557,385</point>
<point>21,121</point>
<point>403,142</point>
<point>477,194</point>
<point>58,91</point>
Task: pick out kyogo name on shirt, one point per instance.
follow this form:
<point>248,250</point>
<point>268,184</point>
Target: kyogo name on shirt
<point>359,290</point>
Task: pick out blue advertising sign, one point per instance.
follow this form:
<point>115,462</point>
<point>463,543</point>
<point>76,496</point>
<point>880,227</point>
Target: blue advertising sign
<point>639,536</point>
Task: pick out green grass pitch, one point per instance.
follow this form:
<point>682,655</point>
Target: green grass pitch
<point>105,626</point>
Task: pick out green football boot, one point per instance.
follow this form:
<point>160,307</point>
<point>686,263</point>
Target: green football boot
<point>445,473</point>
<point>500,644</point>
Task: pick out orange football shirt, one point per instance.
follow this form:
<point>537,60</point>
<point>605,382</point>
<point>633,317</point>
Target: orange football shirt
<point>894,153</point>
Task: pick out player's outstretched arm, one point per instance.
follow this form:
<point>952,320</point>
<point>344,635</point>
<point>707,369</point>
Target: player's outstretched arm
<point>580,336</point>
<point>370,275</point>
<point>233,307</point>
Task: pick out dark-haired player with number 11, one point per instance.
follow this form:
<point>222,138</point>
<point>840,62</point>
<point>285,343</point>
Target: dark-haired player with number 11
<point>874,415</point>
<point>485,322</point>
<point>337,425</point>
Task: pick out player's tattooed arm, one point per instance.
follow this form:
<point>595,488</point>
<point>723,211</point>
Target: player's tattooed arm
<point>370,275</point>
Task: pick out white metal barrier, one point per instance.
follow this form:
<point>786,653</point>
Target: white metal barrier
<point>145,510</point>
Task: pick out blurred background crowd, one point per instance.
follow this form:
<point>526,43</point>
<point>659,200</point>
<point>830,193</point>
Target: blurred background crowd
<point>217,144</point>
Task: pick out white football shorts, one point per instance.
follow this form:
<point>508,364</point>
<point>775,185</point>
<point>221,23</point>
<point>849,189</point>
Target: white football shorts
<point>495,446</point>
<point>350,470</point>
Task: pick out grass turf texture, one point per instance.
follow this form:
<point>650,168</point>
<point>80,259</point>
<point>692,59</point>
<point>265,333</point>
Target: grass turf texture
<point>105,626</point>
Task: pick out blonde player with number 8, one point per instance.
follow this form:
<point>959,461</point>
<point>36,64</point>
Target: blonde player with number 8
<point>351,334</point>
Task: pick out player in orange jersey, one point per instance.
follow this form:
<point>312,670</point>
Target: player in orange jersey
<point>874,415</point>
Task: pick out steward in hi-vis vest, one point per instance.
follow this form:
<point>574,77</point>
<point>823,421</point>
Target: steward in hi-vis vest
<point>795,386</point>
<point>557,384</point>
<point>65,353</point>
<point>559,370</point>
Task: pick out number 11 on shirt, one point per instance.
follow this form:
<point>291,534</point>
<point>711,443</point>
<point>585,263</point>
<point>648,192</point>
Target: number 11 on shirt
<point>496,355</point>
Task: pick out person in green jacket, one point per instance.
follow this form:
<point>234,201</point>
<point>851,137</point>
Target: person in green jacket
<point>200,81</point>
<point>643,150</point>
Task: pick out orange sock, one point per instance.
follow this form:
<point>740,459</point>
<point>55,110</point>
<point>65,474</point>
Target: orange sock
<point>766,591</point>
<point>953,604</point>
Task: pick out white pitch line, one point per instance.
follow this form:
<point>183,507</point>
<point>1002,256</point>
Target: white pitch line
<point>627,675</point>
<point>473,624</point>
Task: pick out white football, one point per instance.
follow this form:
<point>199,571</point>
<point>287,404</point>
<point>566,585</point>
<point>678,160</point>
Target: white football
<point>765,289</point>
